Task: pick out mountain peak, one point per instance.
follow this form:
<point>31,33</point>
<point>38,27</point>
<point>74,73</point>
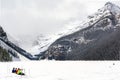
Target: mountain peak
<point>112,7</point>
<point>109,3</point>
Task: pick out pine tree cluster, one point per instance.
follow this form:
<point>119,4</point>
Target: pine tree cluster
<point>4,55</point>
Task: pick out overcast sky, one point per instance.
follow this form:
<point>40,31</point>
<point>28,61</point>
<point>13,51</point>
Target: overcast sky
<point>20,17</point>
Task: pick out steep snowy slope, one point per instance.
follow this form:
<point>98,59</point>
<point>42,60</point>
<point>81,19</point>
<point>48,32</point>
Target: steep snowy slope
<point>98,40</point>
<point>12,39</point>
<point>42,42</point>
<point>16,52</point>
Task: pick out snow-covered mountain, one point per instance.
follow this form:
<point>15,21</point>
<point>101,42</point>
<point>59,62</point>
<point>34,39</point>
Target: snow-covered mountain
<point>12,39</point>
<point>95,39</point>
<point>79,40</point>
<point>43,41</point>
<point>14,51</point>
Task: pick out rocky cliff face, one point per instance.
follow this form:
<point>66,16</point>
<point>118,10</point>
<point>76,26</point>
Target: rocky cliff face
<point>100,40</point>
<point>12,50</point>
<point>3,34</point>
<point>4,55</point>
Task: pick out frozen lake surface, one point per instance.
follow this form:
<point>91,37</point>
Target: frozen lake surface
<point>62,70</point>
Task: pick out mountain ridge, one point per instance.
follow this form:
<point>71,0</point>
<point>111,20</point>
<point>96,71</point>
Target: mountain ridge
<point>81,45</point>
<point>15,52</point>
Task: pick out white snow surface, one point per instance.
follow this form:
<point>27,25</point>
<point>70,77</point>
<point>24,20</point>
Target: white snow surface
<point>62,70</point>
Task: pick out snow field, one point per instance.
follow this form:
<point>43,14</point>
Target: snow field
<point>62,70</point>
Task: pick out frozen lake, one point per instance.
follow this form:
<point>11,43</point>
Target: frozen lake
<point>62,70</point>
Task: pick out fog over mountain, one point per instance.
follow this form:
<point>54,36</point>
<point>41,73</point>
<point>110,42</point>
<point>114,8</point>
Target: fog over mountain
<point>35,25</point>
<point>27,17</point>
<point>98,40</point>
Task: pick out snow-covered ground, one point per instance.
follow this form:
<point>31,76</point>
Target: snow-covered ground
<point>59,70</point>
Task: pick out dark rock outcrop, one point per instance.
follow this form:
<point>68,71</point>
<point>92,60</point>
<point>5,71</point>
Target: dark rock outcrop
<point>98,41</point>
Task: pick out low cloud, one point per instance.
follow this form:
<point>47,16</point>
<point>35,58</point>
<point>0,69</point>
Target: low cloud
<point>22,17</point>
